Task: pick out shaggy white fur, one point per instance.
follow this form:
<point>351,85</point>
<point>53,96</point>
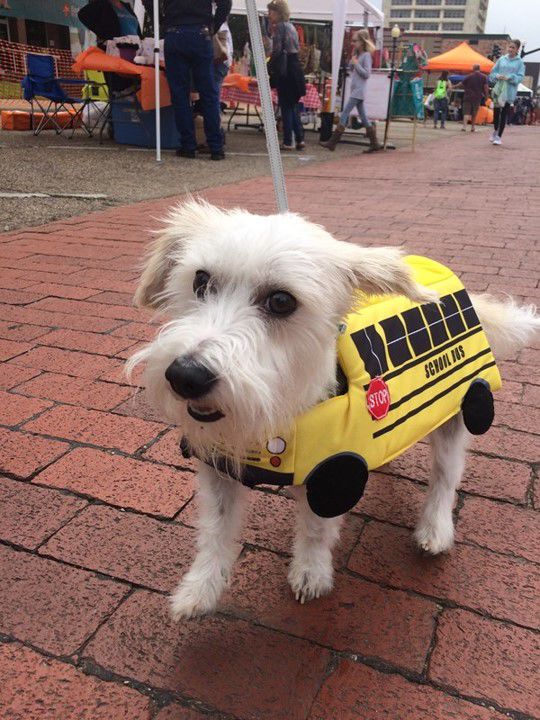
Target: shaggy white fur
<point>221,276</point>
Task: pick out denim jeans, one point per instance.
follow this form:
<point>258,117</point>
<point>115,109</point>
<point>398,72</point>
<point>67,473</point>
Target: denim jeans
<point>189,51</point>
<point>221,70</point>
<point>349,107</point>
<point>441,110</point>
<point>290,117</point>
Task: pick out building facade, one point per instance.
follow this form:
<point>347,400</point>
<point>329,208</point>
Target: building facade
<point>41,23</point>
<point>436,16</point>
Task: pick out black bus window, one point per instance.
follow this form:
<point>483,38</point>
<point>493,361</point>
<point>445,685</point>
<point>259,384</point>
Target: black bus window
<point>435,322</point>
<point>467,310</point>
<point>396,340</point>
<point>417,331</point>
<point>370,347</point>
<point>453,318</point>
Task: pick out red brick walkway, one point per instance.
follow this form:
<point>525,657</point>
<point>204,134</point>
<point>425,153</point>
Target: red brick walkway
<point>96,513</point>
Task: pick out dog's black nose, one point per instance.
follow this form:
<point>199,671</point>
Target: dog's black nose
<point>189,378</point>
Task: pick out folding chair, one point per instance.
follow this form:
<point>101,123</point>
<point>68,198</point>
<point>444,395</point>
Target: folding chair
<point>43,89</point>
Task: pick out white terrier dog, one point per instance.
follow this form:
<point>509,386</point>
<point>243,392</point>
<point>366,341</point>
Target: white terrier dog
<point>255,304</point>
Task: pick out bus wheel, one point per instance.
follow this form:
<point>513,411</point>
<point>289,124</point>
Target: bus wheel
<point>477,408</point>
<point>337,484</point>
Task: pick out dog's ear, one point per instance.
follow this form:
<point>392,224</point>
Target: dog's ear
<point>159,264</point>
<point>382,271</point>
<point>183,223</point>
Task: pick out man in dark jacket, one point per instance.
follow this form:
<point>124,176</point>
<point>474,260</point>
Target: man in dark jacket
<point>188,28</point>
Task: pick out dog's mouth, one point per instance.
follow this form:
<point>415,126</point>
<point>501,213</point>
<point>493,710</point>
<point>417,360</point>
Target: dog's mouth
<point>204,413</point>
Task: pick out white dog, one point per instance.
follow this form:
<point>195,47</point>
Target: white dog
<point>255,304</point>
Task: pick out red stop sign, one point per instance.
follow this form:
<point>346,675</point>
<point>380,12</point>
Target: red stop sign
<point>378,398</point>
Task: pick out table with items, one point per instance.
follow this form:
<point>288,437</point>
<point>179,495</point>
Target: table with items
<point>132,114</point>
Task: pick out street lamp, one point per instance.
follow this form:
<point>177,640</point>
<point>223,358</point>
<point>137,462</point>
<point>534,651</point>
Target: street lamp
<point>395,32</point>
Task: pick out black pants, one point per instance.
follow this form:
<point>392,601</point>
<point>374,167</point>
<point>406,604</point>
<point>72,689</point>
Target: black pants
<point>499,118</point>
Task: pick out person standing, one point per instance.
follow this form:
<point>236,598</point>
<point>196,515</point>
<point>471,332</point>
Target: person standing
<point>189,52</point>
<point>476,88</point>
<point>360,67</point>
<point>222,64</point>
<point>440,99</point>
<point>109,19</point>
<point>286,73</point>
<point>508,72</point>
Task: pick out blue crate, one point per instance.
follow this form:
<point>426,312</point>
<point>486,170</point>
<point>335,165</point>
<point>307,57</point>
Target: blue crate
<point>132,127</point>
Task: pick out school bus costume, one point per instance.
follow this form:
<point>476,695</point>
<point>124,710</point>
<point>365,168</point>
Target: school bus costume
<point>405,370</point>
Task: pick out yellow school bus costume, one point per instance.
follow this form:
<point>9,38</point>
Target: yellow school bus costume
<point>405,370</point>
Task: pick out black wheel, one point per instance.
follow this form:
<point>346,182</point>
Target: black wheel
<point>337,484</point>
<point>477,408</point>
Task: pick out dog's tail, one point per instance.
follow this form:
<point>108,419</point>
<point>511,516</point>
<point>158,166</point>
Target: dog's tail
<point>508,326</point>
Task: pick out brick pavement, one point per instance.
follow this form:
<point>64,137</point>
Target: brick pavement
<point>97,508</point>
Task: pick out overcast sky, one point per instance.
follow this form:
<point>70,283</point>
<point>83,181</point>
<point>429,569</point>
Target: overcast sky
<point>518,18</point>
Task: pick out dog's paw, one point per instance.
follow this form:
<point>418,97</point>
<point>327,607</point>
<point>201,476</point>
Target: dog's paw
<point>308,583</point>
<point>435,538</point>
<point>195,598</point>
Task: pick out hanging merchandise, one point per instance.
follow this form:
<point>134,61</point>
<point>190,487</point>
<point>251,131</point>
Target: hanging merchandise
<point>408,95</point>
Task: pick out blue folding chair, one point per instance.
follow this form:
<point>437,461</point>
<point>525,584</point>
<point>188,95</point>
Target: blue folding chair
<point>43,89</point>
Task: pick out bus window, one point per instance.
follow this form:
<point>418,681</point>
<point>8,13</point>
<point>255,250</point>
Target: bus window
<point>416,328</point>
<point>371,349</point>
<point>435,323</point>
<point>396,340</point>
<point>467,310</point>
<point>453,318</point>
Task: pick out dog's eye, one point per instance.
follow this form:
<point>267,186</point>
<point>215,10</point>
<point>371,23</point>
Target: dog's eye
<point>200,283</point>
<point>280,303</point>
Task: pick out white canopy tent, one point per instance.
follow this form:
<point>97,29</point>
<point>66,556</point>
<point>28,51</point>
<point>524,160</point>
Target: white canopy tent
<point>339,12</point>
<point>323,10</point>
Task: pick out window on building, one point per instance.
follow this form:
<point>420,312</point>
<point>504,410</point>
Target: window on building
<point>36,33</point>
<point>402,2</point>
<point>458,27</point>
<point>454,13</point>
<point>429,2</point>
<point>4,29</point>
<point>400,14</point>
<point>426,13</point>
<point>455,2</point>
<point>426,27</point>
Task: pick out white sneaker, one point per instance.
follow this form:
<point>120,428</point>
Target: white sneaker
<point>497,141</point>
<point>492,136</point>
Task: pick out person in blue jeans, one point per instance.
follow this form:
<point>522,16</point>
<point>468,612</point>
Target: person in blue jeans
<point>189,27</point>
<point>291,85</point>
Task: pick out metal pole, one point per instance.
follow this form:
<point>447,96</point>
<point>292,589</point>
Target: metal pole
<point>267,106</point>
<point>156,80</point>
<point>392,70</point>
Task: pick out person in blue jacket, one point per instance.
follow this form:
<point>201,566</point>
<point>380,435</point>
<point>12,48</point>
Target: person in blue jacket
<point>507,73</point>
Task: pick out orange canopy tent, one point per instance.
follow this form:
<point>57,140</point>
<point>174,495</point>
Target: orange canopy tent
<point>459,59</point>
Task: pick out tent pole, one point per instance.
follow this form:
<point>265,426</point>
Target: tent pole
<point>267,106</point>
<point>156,80</point>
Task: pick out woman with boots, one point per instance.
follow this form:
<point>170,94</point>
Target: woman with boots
<point>360,67</point>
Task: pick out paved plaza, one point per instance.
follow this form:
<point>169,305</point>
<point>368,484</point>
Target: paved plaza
<point>97,506</point>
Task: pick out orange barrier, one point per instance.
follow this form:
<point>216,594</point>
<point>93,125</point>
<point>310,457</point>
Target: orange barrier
<point>96,59</point>
<point>15,120</point>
